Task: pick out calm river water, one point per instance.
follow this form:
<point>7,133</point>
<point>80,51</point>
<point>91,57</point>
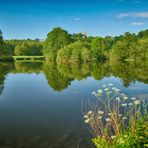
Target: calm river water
<point>41,103</point>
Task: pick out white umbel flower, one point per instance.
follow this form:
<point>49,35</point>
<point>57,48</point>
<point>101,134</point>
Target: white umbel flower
<point>100,91</point>
<point>100,117</point>
<point>100,112</point>
<point>90,112</point>
<point>86,116</point>
<point>130,104</point>
<point>125,98</point>
<point>87,121</point>
<point>93,93</point>
<point>124,104</point>
<point>107,120</point>
<point>133,98</point>
<point>124,118</point>
<point>137,102</point>
<point>113,137</point>
<point>118,99</point>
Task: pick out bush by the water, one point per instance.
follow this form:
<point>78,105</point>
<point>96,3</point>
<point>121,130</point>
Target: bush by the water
<point>117,121</point>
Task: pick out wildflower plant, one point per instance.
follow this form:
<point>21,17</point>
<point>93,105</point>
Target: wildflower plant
<point>113,114</point>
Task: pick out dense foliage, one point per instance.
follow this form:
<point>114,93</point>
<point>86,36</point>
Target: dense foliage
<point>78,47</point>
<point>9,48</point>
<point>56,39</point>
<point>75,52</point>
<point>28,48</point>
<point>3,50</point>
<point>63,47</point>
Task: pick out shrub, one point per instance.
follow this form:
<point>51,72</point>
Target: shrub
<point>117,120</point>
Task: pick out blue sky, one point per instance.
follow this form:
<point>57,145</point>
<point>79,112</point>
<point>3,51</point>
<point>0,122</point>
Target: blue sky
<point>22,19</point>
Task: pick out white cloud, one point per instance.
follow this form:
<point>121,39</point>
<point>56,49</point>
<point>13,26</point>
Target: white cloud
<point>131,1</point>
<point>77,19</point>
<point>134,15</point>
<point>121,15</point>
<point>137,24</point>
<point>135,1</point>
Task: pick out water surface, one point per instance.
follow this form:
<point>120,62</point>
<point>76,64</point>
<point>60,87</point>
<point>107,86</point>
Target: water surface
<point>41,103</point>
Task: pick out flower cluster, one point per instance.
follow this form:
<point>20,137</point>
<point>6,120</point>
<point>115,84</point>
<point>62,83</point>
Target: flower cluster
<point>88,117</point>
<point>113,110</point>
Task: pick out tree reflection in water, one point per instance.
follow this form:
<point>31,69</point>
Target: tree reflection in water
<point>59,76</point>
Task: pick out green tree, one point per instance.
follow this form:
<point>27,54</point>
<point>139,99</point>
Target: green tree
<point>125,47</point>
<point>4,51</point>
<point>73,52</point>
<point>142,49</point>
<point>64,54</point>
<point>2,45</point>
<point>86,55</point>
<point>56,39</point>
<point>97,48</point>
<point>28,48</point>
<point>143,34</point>
<point>1,36</point>
<point>79,37</point>
<point>108,42</point>
<point>11,44</point>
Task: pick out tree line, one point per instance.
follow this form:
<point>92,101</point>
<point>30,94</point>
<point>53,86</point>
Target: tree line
<point>62,47</point>
<point>9,48</point>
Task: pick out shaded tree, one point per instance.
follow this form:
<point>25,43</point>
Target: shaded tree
<point>28,48</point>
<point>125,47</point>
<point>56,39</point>
<point>74,52</point>
<point>97,48</point>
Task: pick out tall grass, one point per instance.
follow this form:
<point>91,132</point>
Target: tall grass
<point>115,117</point>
